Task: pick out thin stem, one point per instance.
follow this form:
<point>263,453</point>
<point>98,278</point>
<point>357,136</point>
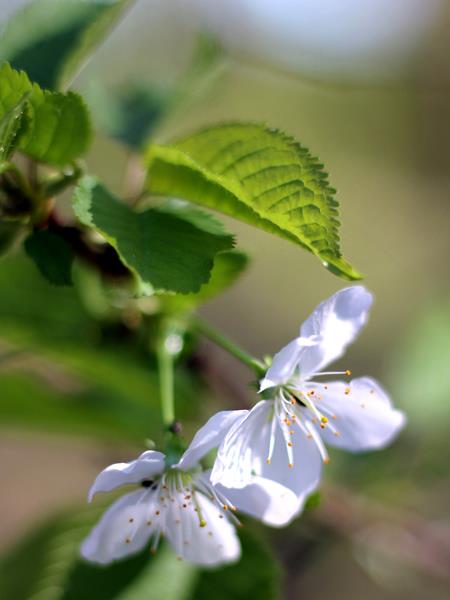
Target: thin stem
<point>218,338</point>
<point>165,367</point>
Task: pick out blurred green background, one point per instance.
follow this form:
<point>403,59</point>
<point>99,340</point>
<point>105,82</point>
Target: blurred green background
<point>78,385</point>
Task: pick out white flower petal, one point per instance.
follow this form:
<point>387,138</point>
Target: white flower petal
<point>336,322</point>
<point>235,457</point>
<point>285,362</point>
<point>365,417</point>
<point>304,476</point>
<point>209,436</point>
<point>241,464</point>
<point>121,531</point>
<point>208,544</point>
<point>148,464</point>
<point>266,500</point>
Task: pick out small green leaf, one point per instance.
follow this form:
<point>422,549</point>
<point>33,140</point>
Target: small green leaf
<point>52,256</point>
<point>14,91</point>
<point>52,40</point>
<point>51,127</point>
<point>258,175</point>
<point>60,129</point>
<point>228,266</point>
<point>165,249</point>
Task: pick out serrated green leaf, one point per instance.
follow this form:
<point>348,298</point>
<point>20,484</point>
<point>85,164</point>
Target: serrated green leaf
<point>165,250</point>
<point>258,175</point>
<point>60,130</point>
<point>51,40</point>
<point>52,255</point>
<point>14,91</point>
<point>228,266</point>
<point>54,128</point>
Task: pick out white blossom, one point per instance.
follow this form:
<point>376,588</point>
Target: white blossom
<point>284,437</point>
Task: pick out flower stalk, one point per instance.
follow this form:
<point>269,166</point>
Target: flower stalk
<point>205,329</point>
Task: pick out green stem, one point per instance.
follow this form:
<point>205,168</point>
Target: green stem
<point>166,382</point>
<point>218,338</point>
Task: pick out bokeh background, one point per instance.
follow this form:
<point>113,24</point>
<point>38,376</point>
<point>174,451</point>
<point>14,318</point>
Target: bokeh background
<point>366,86</point>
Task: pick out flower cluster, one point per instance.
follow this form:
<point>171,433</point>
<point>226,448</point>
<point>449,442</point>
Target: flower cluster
<point>269,459</point>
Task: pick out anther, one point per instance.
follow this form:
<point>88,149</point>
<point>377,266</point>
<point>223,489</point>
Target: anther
<point>290,465</point>
<point>268,461</point>
<point>347,391</point>
<point>290,444</point>
<point>130,520</point>
<point>157,513</point>
<point>149,523</point>
<point>202,523</point>
<point>348,372</point>
<point>323,419</point>
<point>127,541</point>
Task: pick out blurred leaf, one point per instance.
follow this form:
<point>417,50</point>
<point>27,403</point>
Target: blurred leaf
<point>52,256</point>
<point>49,557</point>
<point>228,266</point>
<point>68,373</point>
<point>258,175</point>
<point>420,372</point>
<point>167,250</point>
<point>9,231</point>
<point>56,129</point>
<point>52,40</point>
<point>129,113</point>
<point>256,575</point>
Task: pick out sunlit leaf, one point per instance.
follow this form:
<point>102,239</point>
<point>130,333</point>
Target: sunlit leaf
<point>258,175</point>
<point>167,250</point>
